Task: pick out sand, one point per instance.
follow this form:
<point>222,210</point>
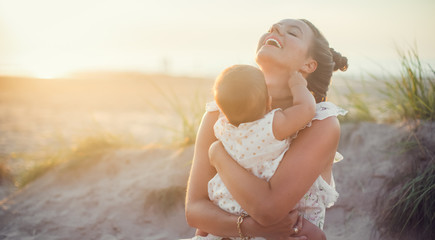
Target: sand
<point>107,200</point>
<point>113,198</point>
<point>370,154</point>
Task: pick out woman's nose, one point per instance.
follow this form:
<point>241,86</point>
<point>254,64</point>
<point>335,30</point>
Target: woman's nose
<point>277,28</point>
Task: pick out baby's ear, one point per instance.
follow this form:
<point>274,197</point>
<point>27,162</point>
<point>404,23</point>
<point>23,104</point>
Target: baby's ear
<point>309,66</point>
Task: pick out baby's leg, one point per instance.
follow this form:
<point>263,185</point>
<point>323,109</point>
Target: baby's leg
<point>311,231</point>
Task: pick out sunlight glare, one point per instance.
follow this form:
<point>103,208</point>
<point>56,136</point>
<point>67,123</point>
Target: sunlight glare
<point>46,71</point>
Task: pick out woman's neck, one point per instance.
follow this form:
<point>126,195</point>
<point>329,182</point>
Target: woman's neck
<point>277,85</point>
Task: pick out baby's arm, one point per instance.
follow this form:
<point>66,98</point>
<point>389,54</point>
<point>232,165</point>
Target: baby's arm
<point>292,119</point>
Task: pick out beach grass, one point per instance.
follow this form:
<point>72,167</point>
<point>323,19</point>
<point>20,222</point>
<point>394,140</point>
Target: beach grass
<point>409,96</point>
<point>409,99</point>
<point>90,148</point>
<point>85,151</point>
<point>408,208</point>
<point>412,95</point>
<point>360,110</point>
<point>5,173</point>
<point>188,111</point>
<point>35,165</point>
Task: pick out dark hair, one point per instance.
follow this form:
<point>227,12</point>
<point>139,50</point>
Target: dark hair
<point>240,91</point>
<point>328,61</point>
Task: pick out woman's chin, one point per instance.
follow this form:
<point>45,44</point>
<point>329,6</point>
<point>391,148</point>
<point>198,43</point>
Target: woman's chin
<point>266,59</point>
<point>264,56</point>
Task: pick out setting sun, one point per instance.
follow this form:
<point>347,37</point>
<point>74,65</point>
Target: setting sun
<point>47,70</point>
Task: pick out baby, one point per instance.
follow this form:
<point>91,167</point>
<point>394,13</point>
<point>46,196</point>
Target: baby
<point>253,134</point>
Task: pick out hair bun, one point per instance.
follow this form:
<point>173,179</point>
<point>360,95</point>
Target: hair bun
<point>339,60</point>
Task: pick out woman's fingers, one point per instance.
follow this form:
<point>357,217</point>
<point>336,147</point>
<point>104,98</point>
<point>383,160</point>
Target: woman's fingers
<point>299,223</point>
<point>294,217</point>
<point>283,229</point>
<point>298,238</point>
<point>297,227</point>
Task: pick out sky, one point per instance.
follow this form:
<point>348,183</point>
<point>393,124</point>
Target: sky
<point>51,38</point>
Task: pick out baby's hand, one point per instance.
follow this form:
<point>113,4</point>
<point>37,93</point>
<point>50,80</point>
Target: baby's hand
<point>296,78</point>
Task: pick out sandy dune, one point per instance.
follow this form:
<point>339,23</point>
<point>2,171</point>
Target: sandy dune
<point>112,199</point>
<point>115,198</point>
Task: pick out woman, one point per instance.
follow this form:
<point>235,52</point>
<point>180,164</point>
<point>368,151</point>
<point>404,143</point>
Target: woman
<point>290,45</point>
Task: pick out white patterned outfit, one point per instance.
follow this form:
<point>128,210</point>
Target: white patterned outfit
<point>254,147</point>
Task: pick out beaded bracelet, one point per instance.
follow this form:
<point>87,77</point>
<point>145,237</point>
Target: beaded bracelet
<point>239,224</point>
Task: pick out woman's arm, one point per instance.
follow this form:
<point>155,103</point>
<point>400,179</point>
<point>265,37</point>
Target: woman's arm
<point>202,213</point>
<point>268,202</point>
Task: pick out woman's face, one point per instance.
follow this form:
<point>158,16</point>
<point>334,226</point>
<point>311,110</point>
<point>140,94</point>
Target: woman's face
<point>285,45</point>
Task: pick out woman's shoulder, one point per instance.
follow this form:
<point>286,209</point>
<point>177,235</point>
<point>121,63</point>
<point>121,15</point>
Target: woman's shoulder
<point>327,112</point>
<point>323,134</point>
<point>325,130</point>
<point>326,125</point>
<point>326,120</point>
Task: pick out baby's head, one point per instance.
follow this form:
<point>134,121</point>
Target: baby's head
<point>240,91</point>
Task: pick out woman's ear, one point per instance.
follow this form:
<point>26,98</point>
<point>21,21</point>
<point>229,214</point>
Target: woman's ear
<point>309,66</point>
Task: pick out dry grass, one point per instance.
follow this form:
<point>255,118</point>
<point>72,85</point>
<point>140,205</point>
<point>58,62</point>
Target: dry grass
<point>5,173</point>
<point>412,95</point>
<point>358,105</point>
<point>85,152</point>
<point>408,210</point>
<point>188,111</point>
<point>408,97</point>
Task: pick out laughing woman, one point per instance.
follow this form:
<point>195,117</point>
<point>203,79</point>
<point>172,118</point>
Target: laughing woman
<point>289,46</point>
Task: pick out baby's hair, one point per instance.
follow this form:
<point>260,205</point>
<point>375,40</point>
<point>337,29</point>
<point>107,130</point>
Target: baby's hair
<point>240,91</point>
<point>328,61</point>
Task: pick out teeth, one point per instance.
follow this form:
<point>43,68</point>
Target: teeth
<point>272,41</point>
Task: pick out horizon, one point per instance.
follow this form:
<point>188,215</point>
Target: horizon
<point>51,39</point>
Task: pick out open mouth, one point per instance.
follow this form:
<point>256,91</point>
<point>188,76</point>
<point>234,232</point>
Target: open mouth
<point>273,42</point>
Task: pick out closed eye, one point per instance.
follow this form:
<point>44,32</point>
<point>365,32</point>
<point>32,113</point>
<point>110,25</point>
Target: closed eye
<point>292,33</point>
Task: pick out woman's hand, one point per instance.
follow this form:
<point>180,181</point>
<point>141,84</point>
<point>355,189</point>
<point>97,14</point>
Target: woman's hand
<point>282,230</point>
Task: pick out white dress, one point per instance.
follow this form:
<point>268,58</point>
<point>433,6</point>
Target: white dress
<point>254,147</point>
